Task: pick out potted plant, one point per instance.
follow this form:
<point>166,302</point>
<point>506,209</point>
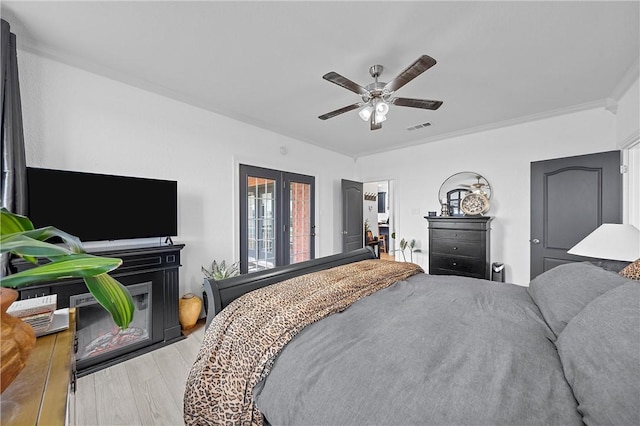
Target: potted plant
<point>218,271</point>
<point>69,260</point>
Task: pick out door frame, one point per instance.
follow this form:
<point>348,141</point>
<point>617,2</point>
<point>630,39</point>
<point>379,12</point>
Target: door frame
<point>282,226</point>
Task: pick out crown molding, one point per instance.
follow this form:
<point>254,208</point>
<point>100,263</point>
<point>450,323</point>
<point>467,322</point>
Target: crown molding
<point>628,79</point>
<point>631,140</point>
<point>601,103</point>
<point>610,103</point>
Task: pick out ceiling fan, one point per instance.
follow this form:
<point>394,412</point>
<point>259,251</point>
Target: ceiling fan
<point>376,96</point>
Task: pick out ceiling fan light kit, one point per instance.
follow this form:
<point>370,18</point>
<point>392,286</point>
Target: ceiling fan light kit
<point>365,113</point>
<point>377,96</point>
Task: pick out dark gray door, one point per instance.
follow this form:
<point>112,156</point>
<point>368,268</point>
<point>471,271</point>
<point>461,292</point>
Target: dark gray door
<point>570,197</point>
<point>352,223</point>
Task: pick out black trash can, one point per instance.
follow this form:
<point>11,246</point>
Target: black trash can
<point>497,272</point>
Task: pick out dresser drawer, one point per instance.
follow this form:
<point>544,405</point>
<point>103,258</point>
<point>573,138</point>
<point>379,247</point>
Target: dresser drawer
<point>458,248</point>
<point>456,265</point>
<point>443,271</point>
<point>459,235</point>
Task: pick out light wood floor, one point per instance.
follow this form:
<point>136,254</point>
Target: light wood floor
<point>146,390</point>
<point>387,256</point>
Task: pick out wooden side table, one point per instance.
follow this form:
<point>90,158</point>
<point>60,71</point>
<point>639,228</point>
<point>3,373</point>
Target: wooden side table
<point>44,392</point>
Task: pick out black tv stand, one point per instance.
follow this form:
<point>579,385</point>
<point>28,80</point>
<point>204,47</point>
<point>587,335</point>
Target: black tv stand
<point>158,265</point>
<point>168,241</point>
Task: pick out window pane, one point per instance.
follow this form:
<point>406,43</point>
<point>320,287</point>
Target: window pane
<point>299,222</point>
<point>261,202</point>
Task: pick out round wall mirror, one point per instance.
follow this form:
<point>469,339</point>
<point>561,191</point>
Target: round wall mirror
<point>465,194</point>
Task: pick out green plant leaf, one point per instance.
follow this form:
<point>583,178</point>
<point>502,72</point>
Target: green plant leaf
<point>73,265</point>
<point>18,236</point>
<point>206,273</point>
<point>11,223</point>
<point>113,296</point>
<point>47,232</point>
<point>23,245</point>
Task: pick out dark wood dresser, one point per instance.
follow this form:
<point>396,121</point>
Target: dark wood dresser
<point>459,245</point>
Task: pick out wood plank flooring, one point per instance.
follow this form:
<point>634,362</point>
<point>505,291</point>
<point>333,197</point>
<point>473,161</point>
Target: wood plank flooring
<point>146,390</point>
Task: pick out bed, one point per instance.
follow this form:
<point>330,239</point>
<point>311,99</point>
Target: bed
<point>348,339</point>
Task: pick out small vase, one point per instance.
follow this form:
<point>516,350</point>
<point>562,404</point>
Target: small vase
<point>18,340</point>
<point>189,310</point>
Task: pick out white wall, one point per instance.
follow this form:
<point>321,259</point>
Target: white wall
<point>503,156</point>
<point>76,120</point>
<point>80,121</point>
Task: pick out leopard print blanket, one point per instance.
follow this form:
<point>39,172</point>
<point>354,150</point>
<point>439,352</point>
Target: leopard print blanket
<point>632,271</point>
<point>243,340</point>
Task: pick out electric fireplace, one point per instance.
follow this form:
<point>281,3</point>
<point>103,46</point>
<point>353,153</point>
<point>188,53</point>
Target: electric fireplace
<point>99,338</point>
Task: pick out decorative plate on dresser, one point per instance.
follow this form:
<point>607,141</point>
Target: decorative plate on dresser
<point>474,204</point>
<point>460,246</point>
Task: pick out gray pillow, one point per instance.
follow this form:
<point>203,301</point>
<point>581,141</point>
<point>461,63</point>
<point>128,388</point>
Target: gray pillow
<point>600,354</point>
<point>565,290</point>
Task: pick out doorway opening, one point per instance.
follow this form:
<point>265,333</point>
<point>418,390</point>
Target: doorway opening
<point>378,214</point>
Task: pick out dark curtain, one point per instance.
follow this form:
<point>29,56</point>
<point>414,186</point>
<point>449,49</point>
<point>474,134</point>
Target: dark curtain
<point>14,181</point>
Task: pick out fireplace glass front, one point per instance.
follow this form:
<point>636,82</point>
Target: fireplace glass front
<point>98,336</point>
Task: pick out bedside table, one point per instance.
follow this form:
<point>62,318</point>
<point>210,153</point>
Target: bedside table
<point>44,392</point>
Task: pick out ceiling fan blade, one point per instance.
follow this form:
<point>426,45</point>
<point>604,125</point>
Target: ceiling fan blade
<point>340,111</point>
<point>341,81</point>
<point>422,64</point>
<point>416,103</point>
<point>374,125</point>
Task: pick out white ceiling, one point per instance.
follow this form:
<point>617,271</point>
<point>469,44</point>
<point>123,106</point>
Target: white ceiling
<point>262,62</point>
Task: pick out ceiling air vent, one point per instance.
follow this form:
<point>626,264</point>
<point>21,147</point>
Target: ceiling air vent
<point>419,126</point>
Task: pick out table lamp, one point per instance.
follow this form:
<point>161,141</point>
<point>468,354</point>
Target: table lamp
<point>613,241</point>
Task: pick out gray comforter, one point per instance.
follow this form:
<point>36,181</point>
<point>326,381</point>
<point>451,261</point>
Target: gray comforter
<point>435,350</point>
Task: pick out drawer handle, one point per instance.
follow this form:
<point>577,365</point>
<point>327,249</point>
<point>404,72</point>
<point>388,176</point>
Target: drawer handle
<point>454,264</point>
<point>455,248</point>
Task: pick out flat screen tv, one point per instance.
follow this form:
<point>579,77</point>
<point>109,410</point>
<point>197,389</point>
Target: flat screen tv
<point>98,207</point>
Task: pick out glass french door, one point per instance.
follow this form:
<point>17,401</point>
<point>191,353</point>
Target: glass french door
<point>276,218</point>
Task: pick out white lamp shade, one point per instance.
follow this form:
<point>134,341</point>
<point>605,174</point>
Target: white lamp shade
<point>611,241</point>
<point>382,108</point>
<point>365,113</point>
